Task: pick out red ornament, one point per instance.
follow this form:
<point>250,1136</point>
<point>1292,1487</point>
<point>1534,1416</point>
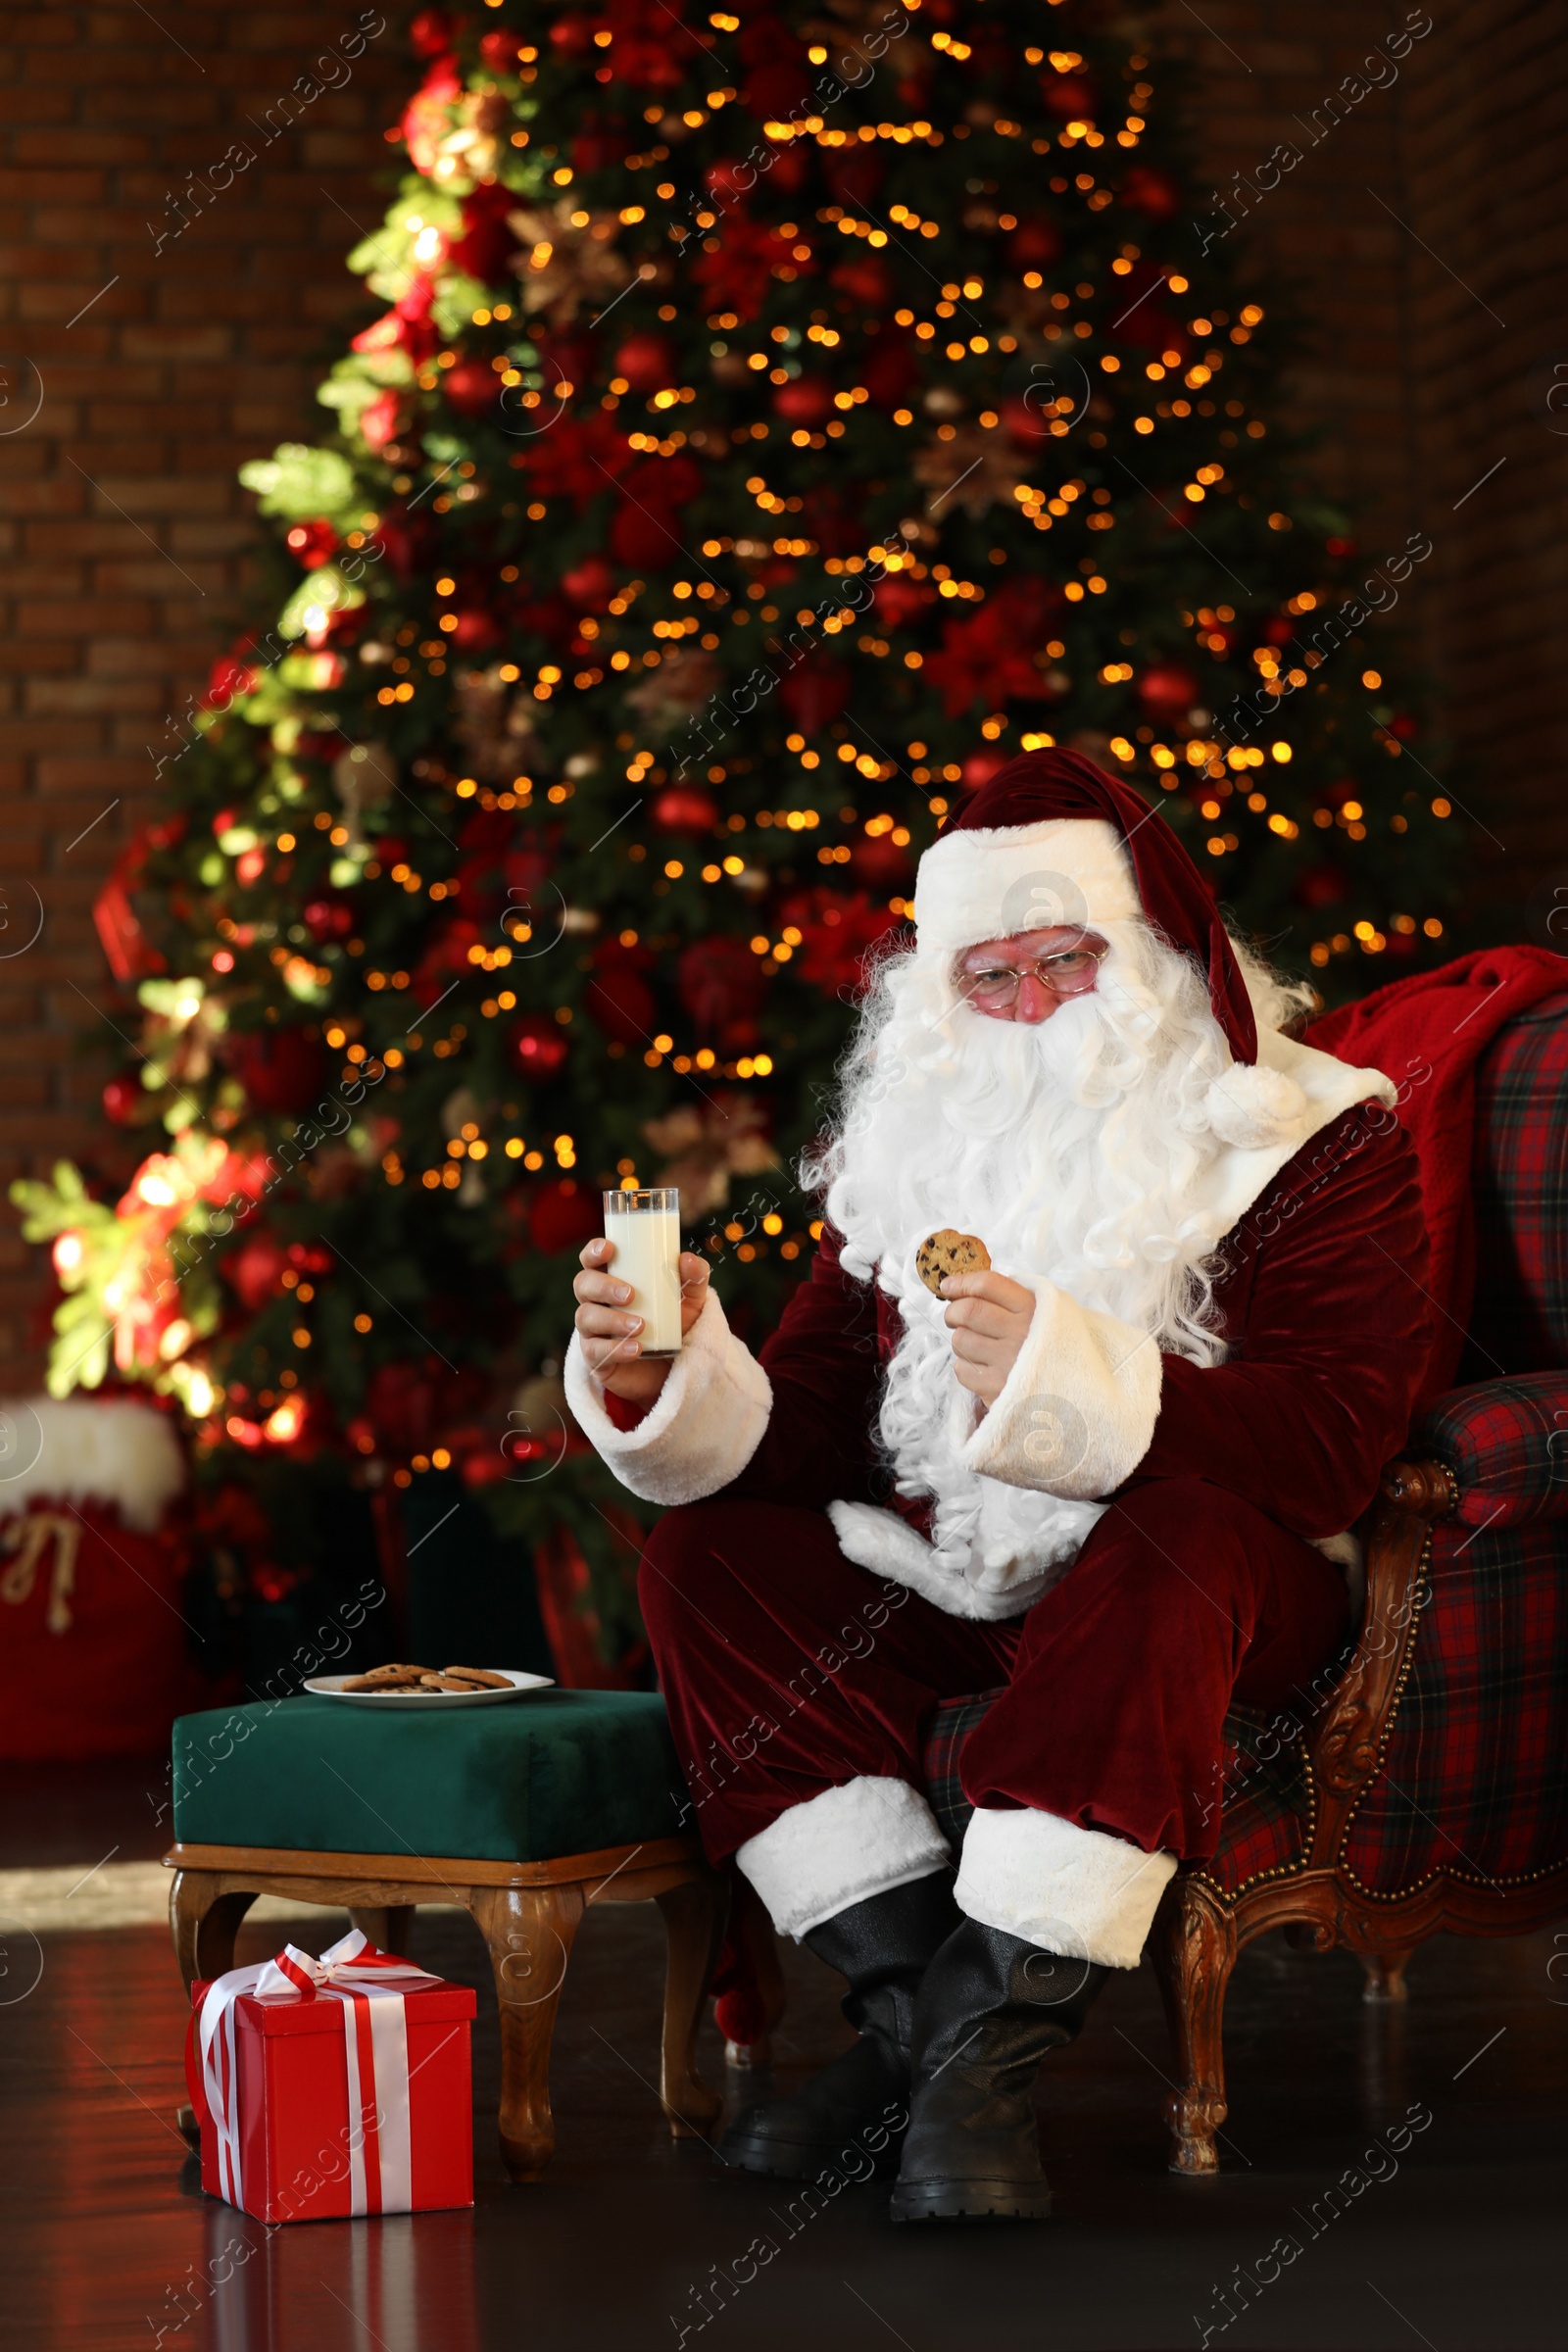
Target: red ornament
<point>836,931</point>
<point>721,985</point>
<point>478,630</point>
<point>619,1000</point>
<point>564,1215</point>
<point>539,1046</point>
<point>230,675</point>
<point>1035,243</point>
<point>431,34</point>
<point>1325,885</point>
<point>472,387</point>
<point>881,864</point>
<point>1167,691</point>
<point>729,181</point>
<point>980,767</point>
<point>330,916</point>
<point>123,1097</point>
<point>281,1069</point>
<point>499,51</point>
<point>813,693</point>
<point>684,809</point>
<point>1024,421</point>
<point>1070,97</point>
<point>400,1405</point>
<point>313,544</point>
<point>890,374</point>
<point>867,280</point>
<point>590,586</point>
<point>643,540</point>
<point>484,249</point>
<point>1152,191</point>
<point>648,362</point>
<point>255,1271</point>
<point>572,35</point>
<point>808,400</point>
<point>899,598</point>
<point>379,421</point>
<point>597,146</point>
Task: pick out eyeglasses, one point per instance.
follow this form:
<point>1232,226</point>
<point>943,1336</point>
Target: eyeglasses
<point>1072,974</point>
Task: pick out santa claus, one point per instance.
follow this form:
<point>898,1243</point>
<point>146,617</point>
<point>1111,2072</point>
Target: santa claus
<point>1114,1472</point>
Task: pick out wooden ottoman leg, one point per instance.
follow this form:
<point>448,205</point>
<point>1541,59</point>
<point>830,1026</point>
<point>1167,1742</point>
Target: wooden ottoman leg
<point>529,1930</point>
<point>205,1923</point>
<point>1193,1949</point>
<point>387,1925</point>
<point>752,1936</point>
<point>694,1927</point>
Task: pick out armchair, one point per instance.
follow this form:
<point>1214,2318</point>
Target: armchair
<point>1426,1785</point>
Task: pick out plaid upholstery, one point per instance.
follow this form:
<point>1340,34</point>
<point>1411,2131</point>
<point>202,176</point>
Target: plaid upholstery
<point>1267,1805</point>
<point>1474,1777</point>
<point>1506,1442</point>
<point>1520,1173</point>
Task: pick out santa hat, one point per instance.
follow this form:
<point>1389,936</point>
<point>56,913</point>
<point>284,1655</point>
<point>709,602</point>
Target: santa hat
<point>1053,840</point>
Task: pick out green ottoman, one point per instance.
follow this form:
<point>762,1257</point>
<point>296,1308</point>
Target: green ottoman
<point>525,1813</point>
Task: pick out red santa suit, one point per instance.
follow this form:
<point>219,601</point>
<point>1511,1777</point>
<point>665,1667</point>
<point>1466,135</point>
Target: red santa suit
<point>1140,1529</point>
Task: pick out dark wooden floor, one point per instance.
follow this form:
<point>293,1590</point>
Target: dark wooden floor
<point>105,2239</point>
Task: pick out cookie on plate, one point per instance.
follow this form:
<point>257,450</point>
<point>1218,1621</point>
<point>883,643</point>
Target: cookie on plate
<point>950,1252</point>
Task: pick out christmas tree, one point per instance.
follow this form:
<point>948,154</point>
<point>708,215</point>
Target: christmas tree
<point>771,421</point>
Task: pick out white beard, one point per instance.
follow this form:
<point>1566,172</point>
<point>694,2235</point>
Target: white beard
<point>1071,1149</point>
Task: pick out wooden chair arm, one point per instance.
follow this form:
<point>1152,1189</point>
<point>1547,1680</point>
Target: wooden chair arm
<point>1346,1745</point>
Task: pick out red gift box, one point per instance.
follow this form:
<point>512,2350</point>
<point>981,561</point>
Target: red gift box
<point>332,2086</point>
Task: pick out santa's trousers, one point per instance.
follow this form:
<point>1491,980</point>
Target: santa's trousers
<point>789,1672</point>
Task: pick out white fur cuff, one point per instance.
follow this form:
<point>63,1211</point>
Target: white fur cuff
<point>78,1449</point>
<point>838,1849</point>
<point>708,1422</point>
<point>1070,1890</point>
<point>1077,1413</point>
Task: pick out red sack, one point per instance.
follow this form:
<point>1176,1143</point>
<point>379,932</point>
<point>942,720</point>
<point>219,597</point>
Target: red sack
<point>93,1654</point>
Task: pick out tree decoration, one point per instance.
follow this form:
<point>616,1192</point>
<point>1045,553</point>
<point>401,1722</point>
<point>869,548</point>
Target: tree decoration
<point>765,423</point>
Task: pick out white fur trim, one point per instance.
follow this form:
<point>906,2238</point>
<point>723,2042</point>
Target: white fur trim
<point>703,1430</point>
<point>1235,1177</point>
<point>1250,1105</point>
<point>1070,1890</point>
<point>889,1546</point>
<point>1345,1550</point>
<point>839,1848</point>
<point>82,1450</point>
<point>1077,1413</point>
<point>992,882</point>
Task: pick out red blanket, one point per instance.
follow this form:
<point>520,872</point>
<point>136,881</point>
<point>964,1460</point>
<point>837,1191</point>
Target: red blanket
<point>1427,1033</point>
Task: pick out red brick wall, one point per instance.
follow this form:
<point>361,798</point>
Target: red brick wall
<point>122,530</point>
<point>1422,240</point>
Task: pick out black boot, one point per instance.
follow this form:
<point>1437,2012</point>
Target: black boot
<point>861,2101</point>
<point>990,2008</point>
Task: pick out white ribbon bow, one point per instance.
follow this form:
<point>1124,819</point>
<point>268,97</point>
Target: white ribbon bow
<point>370,1985</point>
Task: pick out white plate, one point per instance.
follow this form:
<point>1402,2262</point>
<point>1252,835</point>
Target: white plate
<point>330,1686</point>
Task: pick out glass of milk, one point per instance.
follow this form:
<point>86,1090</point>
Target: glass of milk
<point>645,1227</point>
